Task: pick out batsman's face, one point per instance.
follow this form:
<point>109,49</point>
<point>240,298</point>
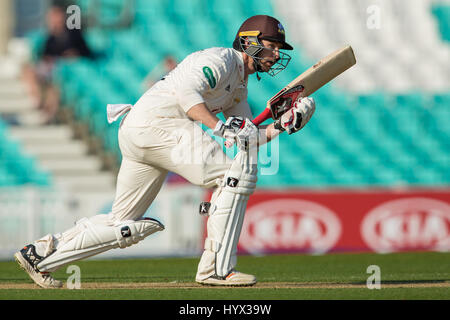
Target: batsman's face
<point>270,55</point>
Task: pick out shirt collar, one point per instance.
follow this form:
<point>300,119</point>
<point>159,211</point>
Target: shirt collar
<point>240,64</point>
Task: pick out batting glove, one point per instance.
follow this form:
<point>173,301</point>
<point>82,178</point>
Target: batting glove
<point>297,117</point>
<point>239,130</point>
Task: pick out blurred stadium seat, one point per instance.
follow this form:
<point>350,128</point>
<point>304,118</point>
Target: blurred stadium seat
<point>442,13</point>
<point>17,168</point>
<point>380,125</point>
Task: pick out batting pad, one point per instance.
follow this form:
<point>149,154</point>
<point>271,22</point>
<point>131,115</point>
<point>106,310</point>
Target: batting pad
<point>228,206</point>
<point>92,239</point>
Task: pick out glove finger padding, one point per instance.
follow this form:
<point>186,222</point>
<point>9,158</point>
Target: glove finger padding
<point>247,137</point>
<point>296,118</point>
<point>242,131</point>
<point>229,129</point>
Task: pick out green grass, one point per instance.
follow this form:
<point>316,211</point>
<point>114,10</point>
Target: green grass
<point>398,268</point>
<point>229,294</point>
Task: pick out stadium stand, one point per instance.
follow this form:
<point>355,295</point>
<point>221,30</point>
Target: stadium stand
<point>382,124</point>
<point>17,168</point>
<point>35,155</point>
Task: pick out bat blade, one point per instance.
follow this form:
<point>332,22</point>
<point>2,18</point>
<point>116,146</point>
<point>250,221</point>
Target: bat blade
<point>308,82</point>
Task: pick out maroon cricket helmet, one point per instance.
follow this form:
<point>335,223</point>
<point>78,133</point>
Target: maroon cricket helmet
<point>263,27</point>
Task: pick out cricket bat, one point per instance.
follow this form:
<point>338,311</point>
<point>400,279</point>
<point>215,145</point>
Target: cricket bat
<point>307,83</point>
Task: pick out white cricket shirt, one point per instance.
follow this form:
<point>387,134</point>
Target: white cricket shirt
<point>213,76</point>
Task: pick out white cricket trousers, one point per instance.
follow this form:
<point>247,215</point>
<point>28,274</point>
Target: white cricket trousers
<point>148,153</point>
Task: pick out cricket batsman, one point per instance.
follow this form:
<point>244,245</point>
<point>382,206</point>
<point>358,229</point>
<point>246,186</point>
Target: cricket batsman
<point>160,133</point>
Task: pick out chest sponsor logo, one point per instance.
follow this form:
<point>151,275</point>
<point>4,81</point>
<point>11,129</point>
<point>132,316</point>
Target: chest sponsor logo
<point>210,77</point>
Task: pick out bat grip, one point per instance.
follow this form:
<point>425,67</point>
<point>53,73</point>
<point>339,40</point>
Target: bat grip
<point>263,116</point>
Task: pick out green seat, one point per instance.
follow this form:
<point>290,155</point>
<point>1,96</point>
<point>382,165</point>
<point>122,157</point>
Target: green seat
<point>6,178</point>
<point>21,169</point>
<point>253,7</point>
<point>372,100</point>
<point>189,10</point>
<point>98,40</point>
<point>149,10</point>
<point>441,100</point>
<point>202,34</point>
<point>410,101</point>
<point>36,41</point>
<point>442,14</point>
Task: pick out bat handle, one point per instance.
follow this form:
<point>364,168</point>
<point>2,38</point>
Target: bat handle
<point>263,116</point>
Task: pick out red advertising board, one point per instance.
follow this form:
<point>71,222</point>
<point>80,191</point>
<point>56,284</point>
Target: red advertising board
<point>336,221</point>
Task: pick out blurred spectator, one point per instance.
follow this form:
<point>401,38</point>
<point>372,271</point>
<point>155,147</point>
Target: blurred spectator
<point>60,43</point>
<point>160,70</point>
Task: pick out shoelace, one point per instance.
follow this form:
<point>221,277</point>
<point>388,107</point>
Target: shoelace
<point>47,277</point>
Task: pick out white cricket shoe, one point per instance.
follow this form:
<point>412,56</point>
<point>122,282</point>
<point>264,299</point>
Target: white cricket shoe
<point>234,278</point>
<point>27,258</point>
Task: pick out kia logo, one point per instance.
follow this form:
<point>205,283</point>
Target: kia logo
<point>289,225</point>
<point>408,224</point>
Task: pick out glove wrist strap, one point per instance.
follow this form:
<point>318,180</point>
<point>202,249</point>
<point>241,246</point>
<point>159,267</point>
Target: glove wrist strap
<point>277,125</point>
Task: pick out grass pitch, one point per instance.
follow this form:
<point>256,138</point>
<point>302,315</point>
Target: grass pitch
<point>405,276</point>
